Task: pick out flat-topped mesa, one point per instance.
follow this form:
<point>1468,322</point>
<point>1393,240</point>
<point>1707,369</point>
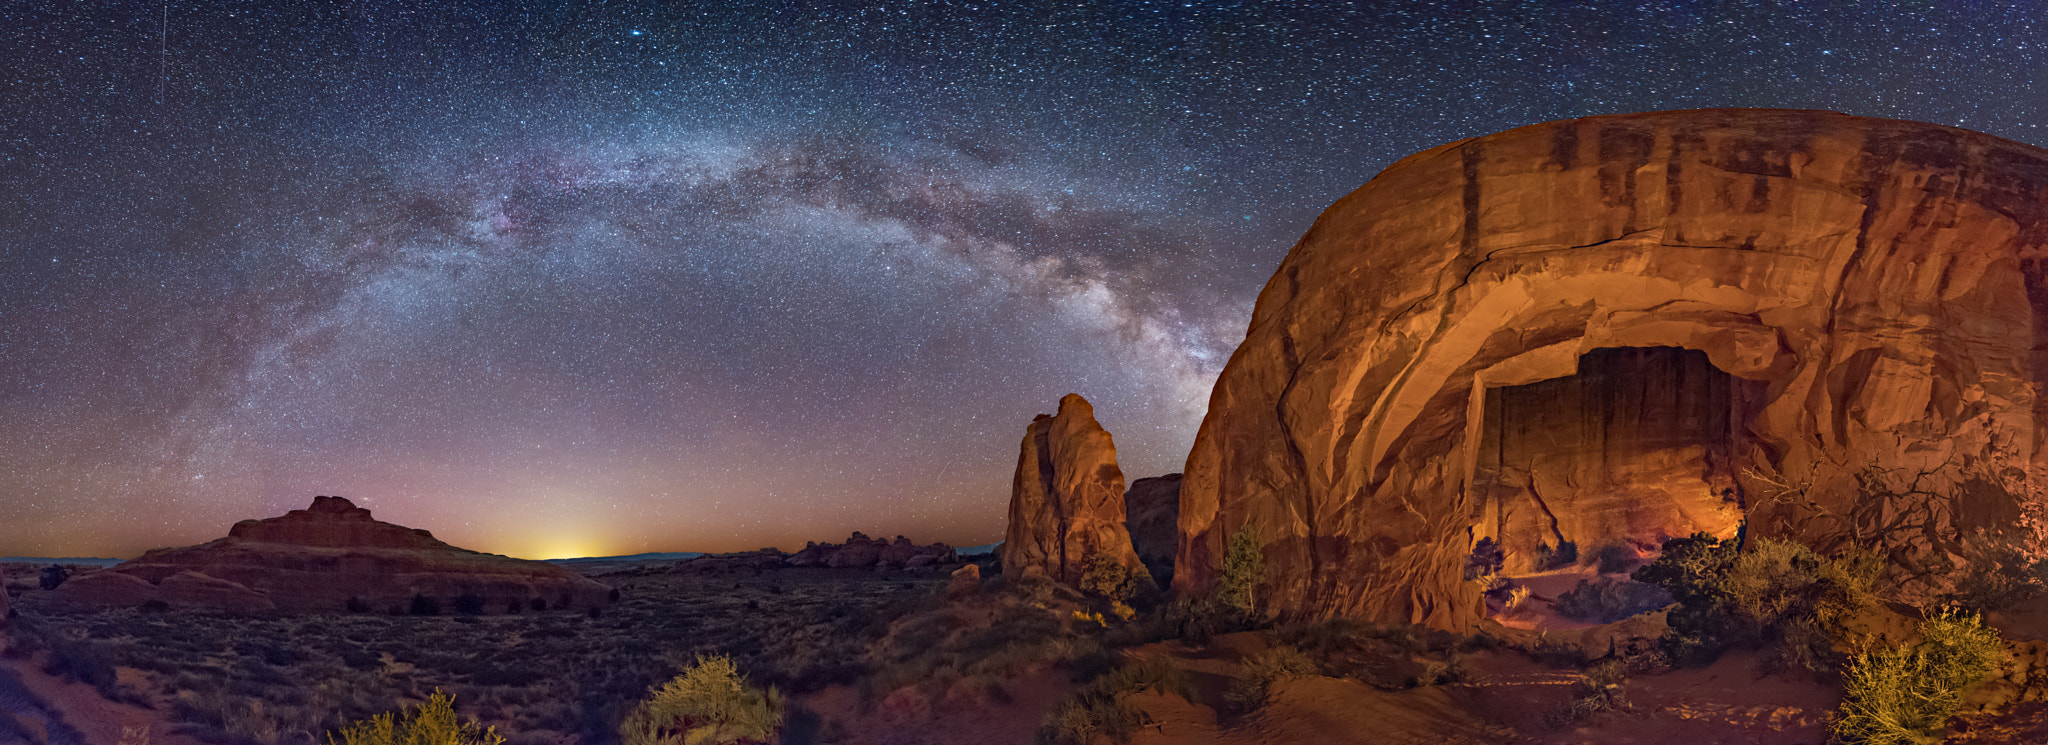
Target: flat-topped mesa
<point>1067,500</point>
<point>332,556</point>
<point>1617,329</point>
<point>333,522</point>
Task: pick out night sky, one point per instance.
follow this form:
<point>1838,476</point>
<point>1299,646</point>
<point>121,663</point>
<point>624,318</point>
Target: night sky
<point>601,278</point>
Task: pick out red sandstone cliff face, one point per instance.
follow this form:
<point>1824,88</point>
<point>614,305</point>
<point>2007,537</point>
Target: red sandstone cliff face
<point>1875,293</point>
<point>1067,502</point>
<point>320,559</point>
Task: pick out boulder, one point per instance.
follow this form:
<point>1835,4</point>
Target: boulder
<point>108,588</point>
<point>965,581</point>
<point>1067,500</point>
<point>1152,515</point>
<point>328,557</point>
<point>1620,328</point>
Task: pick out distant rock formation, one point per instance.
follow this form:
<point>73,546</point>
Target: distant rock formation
<point>1067,501</point>
<point>329,557</point>
<point>858,552</point>
<point>1620,328</point>
<point>1152,515</point>
<point>862,551</point>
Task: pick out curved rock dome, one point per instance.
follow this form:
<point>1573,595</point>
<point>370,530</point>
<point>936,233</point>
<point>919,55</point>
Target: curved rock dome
<point>1623,328</point>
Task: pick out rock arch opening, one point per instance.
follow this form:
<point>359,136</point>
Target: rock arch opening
<point>1638,446</point>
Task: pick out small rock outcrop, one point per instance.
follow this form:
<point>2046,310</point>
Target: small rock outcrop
<point>1067,501</point>
<point>965,581</point>
<point>1152,515</point>
<point>1831,329</point>
<point>331,556</point>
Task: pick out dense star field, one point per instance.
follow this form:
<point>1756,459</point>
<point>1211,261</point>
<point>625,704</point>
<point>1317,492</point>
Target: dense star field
<point>581,279</point>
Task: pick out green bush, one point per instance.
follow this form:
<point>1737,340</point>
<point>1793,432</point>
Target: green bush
<point>1727,597</point>
<point>1243,565</point>
<point>1905,695</point>
<point>1106,577</point>
<point>1256,677</point>
<point>432,723</point>
<point>707,703</point>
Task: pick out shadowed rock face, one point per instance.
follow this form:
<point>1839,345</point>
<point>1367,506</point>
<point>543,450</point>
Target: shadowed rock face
<point>3,598</point>
<point>321,558</point>
<point>1873,291</point>
<point>1152,514</point>
<point>1067,501</point>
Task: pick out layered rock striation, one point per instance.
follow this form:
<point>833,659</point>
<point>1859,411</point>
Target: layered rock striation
<point>330,556</point>
<point>1067,500</point>
<point>1827,327</point>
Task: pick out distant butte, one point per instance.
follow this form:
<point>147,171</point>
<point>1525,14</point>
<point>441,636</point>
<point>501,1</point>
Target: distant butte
<point>1619,329</point>
<point>332,556</point>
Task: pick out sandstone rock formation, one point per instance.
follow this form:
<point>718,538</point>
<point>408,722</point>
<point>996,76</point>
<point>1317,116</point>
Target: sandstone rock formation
<point>964,582</point>
<point>1067,501</point>
<point>1152,515</point>
<point>862,551</point>
<point>1830,327</point>
<point>326,558</point>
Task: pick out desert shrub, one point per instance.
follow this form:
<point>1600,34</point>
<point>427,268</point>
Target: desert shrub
<point>1486,560</point>
<point>469,604</point>
<point>1613,557</point>
<point>1243,566</point>
<point>1255,678</point>
<point>707,703</point>
<point>54,575</point>
<point>1325,637</point>
<point>1565,553</point>
<point>1999,576</point>
<point>1904,695</point>
<point>1728,597</point>
<point>431,723</point>
<point>539,605</point>
<point>1598,689</point>
<point>1103,706</point>
<point>1106,577</point>
<point>83,661</point>
<point>424,606</point>
<point>1607,600</point>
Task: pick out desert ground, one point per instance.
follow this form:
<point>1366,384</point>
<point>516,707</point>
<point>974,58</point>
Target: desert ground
<point>881,656</point>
